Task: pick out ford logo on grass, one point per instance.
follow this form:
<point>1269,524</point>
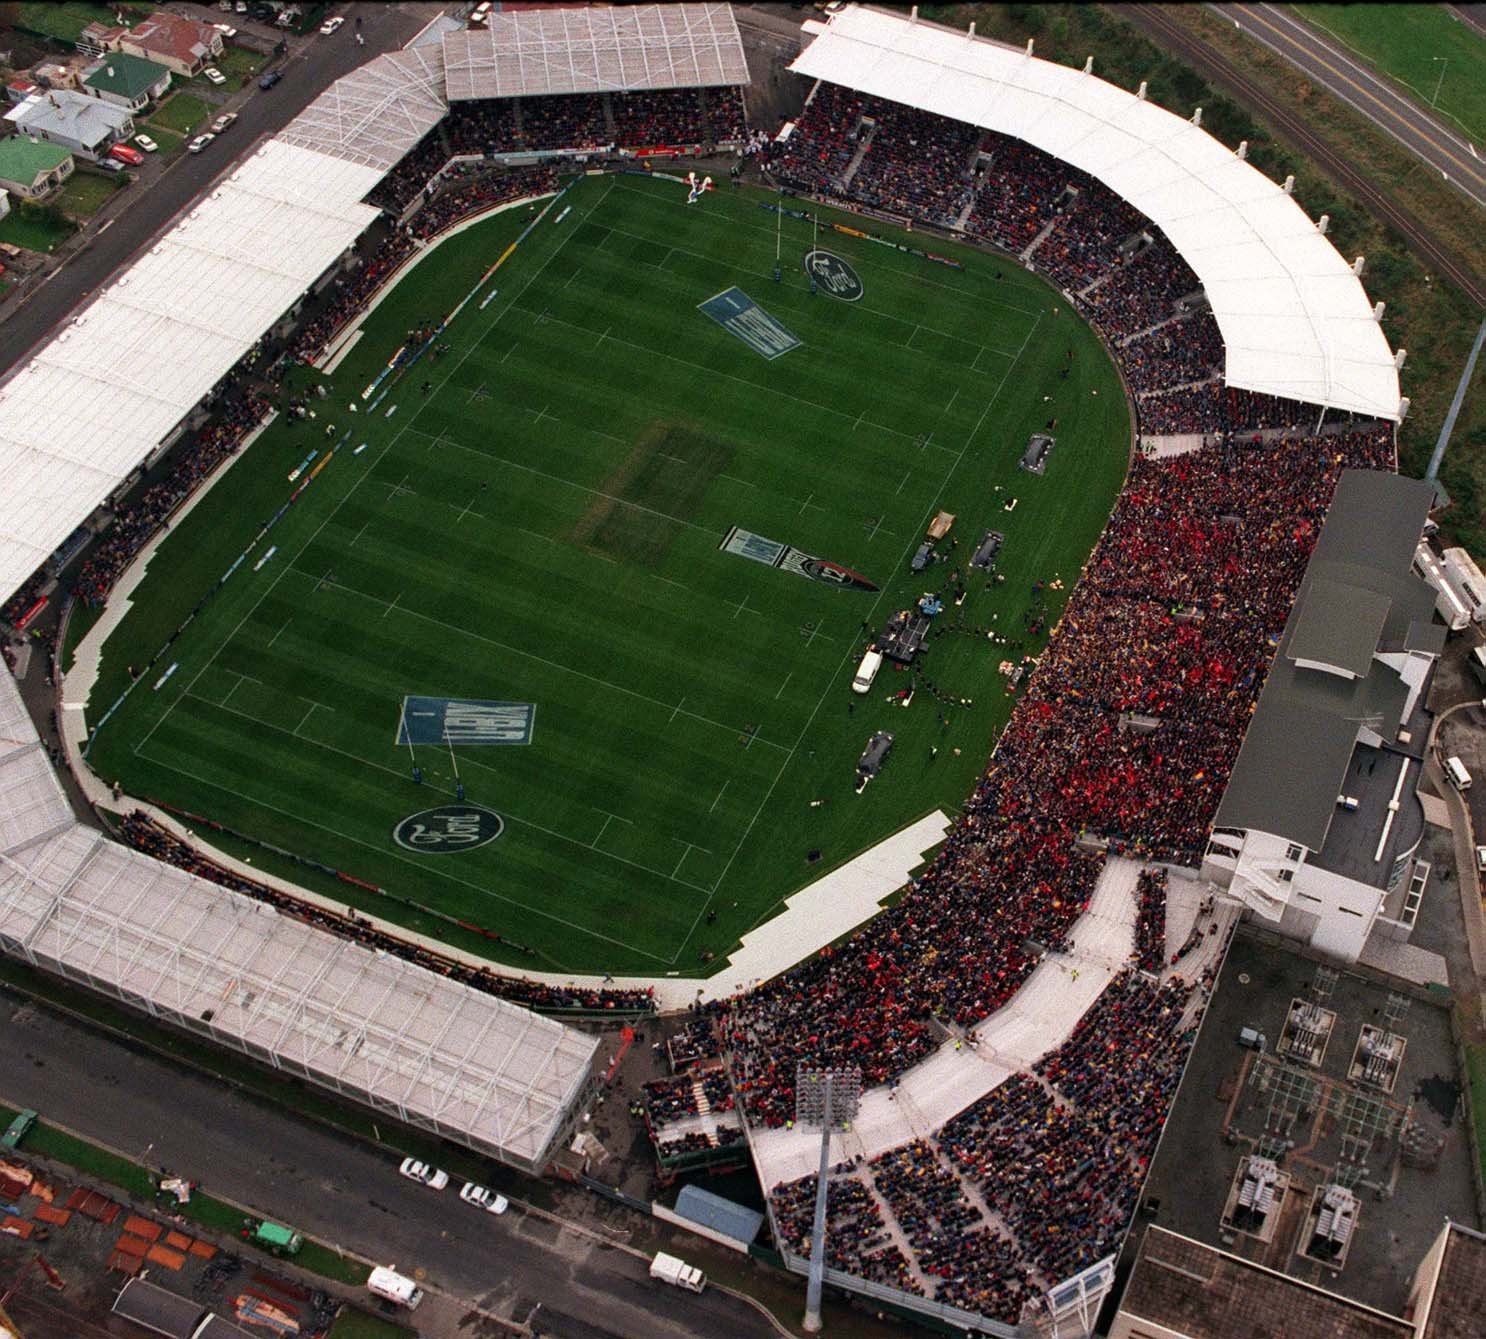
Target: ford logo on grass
<point>449,828</point>
<point>833,275</point>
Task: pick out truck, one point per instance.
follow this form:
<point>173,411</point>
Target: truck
<point>675,1271</point>
<point>276,1239</point>
<point>386,1283</point>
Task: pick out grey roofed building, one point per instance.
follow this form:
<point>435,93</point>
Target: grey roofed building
<point>88,126</point>
<point>1358,588</point>
<point>159,1310</point>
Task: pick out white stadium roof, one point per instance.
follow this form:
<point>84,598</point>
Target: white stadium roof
<point>1295,319</point>
<point>526,52</point>
<point>389,1033</point>
<point>93,403</point>
<point>377,113</point>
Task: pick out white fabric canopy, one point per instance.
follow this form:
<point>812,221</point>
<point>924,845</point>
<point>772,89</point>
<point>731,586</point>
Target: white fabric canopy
<point>93,403</point>
<point>1296,322</point>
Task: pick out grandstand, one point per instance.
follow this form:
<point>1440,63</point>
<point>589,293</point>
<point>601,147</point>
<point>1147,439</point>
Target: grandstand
<point>1023,1013</point>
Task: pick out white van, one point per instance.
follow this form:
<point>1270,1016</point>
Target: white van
<point>867,671</point>
<point>391,1286</point>
<point>1459,777</point>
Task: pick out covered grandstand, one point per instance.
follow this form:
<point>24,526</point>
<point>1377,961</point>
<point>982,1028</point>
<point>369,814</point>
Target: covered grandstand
<point>1295,319</point>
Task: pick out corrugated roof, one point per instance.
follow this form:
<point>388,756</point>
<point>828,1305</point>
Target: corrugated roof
<point>128,76</point>
<point>1295,320</point>
<point>596,50</point>
<point>24,159</point>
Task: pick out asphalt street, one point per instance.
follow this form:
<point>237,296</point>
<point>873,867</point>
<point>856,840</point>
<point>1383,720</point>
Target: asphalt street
<point>1331,65</point>
<point>309,68</point>
<point>344,1192</point>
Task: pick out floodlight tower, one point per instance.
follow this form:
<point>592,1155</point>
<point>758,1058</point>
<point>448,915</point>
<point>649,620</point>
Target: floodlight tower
<point>827,1097</point>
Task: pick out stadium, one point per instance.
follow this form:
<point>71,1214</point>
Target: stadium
<point>500,528</point>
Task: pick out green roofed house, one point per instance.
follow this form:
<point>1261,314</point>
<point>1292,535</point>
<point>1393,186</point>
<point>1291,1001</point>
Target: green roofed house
<point>30,170</point>
<point>126,81</point>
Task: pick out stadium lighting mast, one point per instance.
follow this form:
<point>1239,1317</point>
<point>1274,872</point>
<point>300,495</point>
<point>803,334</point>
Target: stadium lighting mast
<point>829,1098</point>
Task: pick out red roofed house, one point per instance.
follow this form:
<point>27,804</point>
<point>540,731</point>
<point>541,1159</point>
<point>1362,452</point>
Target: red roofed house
<point>184,46</point>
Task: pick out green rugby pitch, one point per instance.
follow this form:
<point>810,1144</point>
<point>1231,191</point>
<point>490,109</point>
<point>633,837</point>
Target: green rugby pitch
<point>544,527</point>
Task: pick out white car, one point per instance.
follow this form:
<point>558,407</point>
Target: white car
<point>484,1199</point>
<point>423,1172</point>
<point>214,75</point>
<point>146,143</point>
<point>330,25</point>
<point>200,142</point>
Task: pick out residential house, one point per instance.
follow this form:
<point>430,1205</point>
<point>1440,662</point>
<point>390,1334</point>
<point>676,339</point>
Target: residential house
<point>85,126</point>
<point>126,81</point>
<point>30,170</point>
<point>184,46</point>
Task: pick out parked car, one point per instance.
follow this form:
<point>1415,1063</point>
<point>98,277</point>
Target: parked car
<point>146,143</point>
<point>107,164</point>
<point>200,142</point>
<point>269,80</point>
<point>214,75</point>
<point>482,1198</point>
<point>423,1172</point>
<point>330,25</point>
<point>222,122</point>
<point>126,155</point>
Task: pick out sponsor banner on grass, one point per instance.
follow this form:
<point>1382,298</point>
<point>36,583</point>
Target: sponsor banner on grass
<point>742,317</point>
<point>448,829</point>
<point>463,721</point>
<point>771,553</point>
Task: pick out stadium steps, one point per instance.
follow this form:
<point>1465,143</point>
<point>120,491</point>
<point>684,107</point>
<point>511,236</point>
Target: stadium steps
<point>856,158</point>
<point>1152,329</point>
<point>1212,376</point>
<point>611,128</point>
<point>964,215</point>
<point>1095,286</point>
<point>1040,238</point>
<point>700,1093</point>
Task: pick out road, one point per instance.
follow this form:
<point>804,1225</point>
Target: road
<point>342,1191</point>
<point>311,65</point>
<point>1157,24</point>
<point>1325,60</point>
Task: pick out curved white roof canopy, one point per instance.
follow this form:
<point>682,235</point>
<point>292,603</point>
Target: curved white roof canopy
<point>1295,319</point>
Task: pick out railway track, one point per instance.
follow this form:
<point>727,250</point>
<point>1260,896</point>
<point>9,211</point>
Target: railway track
<point>1154,22</point>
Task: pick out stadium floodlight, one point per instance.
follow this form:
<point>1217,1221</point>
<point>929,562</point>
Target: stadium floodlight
<point>827,1096</point>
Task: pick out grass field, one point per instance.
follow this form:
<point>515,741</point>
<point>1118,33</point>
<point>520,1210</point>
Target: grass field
<point>1425,48</point>
<point>33,229</point>
<point>544,526</point>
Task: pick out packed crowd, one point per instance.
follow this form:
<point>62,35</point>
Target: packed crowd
<point>477,195</point>
<point>859,1242</point>
<point>145,834</point>
<point>137,522</point>
<point>1150,920</point>
<point>666,1101</point>
<point>648,118</point>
